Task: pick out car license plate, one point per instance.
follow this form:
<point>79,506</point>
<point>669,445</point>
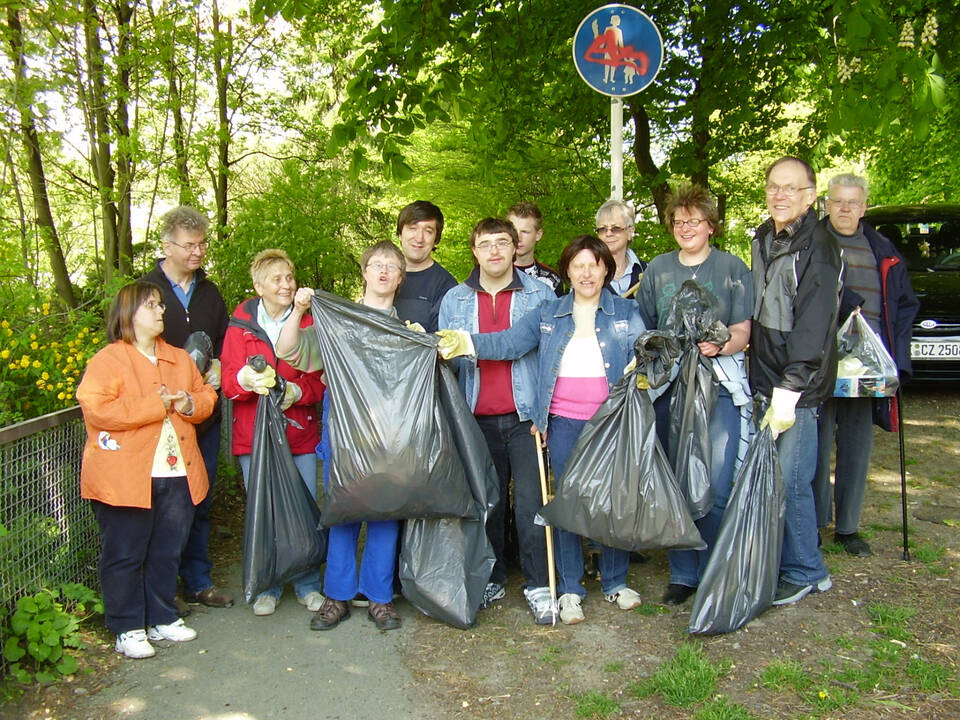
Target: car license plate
<point>944,350</point>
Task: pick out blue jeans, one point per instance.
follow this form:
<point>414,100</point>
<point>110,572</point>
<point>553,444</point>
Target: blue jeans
<point>309,581</point>
<point>139,554</point>
<point>514,453</point>
<point>800,559</point>
<point>195,565</point>
<point>850,420</point>
<point>687,566</point>
<point>614,563</point>
<point>376,565</point>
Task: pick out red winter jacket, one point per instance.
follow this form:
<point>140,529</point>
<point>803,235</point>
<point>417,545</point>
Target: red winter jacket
<point>245,337</point>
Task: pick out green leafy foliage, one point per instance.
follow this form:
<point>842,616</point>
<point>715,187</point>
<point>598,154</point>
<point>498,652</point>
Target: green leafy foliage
<point>42,627</point>
<point>687,678</point>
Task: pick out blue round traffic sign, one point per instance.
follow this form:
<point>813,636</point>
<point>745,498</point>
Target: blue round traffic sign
<point>617,50</point>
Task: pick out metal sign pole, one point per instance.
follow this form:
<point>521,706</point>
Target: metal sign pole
<point>616,148</point>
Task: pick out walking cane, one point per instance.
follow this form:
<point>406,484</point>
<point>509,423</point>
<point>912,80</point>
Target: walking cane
<point>545,498</point>
<point>903,475</point>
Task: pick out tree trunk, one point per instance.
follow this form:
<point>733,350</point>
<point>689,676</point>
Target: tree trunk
<point>222,58</point>
<point>38,180</point>
<point>100,139</point>
<point>649,171</point>
<point>124,160</point>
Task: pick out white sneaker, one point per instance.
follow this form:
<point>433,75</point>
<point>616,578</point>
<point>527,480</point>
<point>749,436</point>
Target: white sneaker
<point>266,605</point>
<point>174,632</point>
<point>133,644</point>
<point>625,599</point>
<point>311,601</point>
<point>541,605</point>
<point>570,612</point>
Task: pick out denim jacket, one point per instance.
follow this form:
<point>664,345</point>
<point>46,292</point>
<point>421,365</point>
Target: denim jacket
<point>458,311</point>
<point>550,327</point>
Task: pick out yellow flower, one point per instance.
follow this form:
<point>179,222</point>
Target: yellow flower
<point>822,694</point>
<point>4,354</point>
<point>61,396</point>
<point>4,324</point>
<point>34,345</point>
<point>45,375</point>
<point>33,336</point>
<point>46,308</point>
<point>37,364</point>
<point>25,361</point>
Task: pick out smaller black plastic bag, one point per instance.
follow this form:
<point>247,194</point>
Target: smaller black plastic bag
<point>693,318</point>
<point>281,538</point>
<point>445,564</point>
<point>199,347</point>
<point>656,353</point>
<point>617,487</point>
<point>740,580</point>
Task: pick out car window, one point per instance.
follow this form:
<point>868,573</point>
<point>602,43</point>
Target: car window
<point>926,245</point>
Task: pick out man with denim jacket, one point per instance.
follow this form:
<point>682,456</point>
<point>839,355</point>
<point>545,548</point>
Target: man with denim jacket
<point>502,394</point>
<point>793,365</point>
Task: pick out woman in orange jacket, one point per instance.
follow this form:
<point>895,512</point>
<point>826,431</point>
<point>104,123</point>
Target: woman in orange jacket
<point>142,469</point>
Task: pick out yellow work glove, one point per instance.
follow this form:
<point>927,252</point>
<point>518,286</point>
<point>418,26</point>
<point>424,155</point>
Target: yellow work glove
<point>454,343</point>
<point>212,376</point>
<point>258,382</point>
<point>291,394</point>
<point>781,415</point>
<point>642,382</point>
<point>415,326</point>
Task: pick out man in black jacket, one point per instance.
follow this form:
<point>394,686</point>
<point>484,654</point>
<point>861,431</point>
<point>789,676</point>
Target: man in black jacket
<point>796,273</point>
<point>877,285</point>
<point>194,303</point>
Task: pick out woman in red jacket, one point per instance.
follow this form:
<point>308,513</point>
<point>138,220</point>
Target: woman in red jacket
<point>142,468</point>
<point>253,330</point>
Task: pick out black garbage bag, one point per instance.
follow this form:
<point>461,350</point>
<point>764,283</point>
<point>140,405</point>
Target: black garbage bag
<point>393,451</point>
<point>617,487</point>
<point>656,353</point>
<point>445,564</point>
<point>693,318</point>
<point>281,536</point>
<point>199,347</point>
<point>740,579</point>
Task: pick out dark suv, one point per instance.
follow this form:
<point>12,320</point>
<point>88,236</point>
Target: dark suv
<point>929,238</point>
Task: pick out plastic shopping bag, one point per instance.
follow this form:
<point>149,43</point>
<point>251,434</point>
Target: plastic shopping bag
<point>393,450</point>
<point>740,580</point>
<point>618,488</point>
<point>445,564</point>
<point>693,318</point>
<point>864,367</point>
<point>281,538</point>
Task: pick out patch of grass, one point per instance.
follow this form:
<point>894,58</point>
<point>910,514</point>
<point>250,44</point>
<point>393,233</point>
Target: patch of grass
<point>891,621</point>
<point>833,548</point>
<point>687,678</point>
<point>786,674</point>
<point>648,610</point>
<point>845,642</point>
<point>595,704</point>
<point>886,528</point>
<point>722,709</point>
<point>951,523</point>
<point>553,655</point>
<point>613,667</point>
<point>832,699</point>
<point>928,676</point>
<point>886,652</point>
<point>927,553</point>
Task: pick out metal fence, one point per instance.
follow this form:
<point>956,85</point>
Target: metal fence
<point>48,535</point>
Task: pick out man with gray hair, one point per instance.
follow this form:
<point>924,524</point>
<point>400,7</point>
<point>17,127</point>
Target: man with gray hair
<point>194,303</point>
<point>875,284</point>
<point>615,226</point>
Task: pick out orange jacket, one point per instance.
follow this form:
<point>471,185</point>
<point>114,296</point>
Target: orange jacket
<point>123,414</point>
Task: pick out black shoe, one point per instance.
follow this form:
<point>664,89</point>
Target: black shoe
<point>853,544</point>
<point>677,594</point>
<point>788,593</point>
<point>330,614</point>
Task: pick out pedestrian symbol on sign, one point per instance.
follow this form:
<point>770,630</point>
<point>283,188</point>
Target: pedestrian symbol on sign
<point>628,40</point>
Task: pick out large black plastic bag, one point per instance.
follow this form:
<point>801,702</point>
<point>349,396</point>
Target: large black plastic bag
<point>445,564</point>
<point>740,579</point>
<point>693,318</point>
<point>281,538</point>
<point>617,487</point>
<point>393,451</point>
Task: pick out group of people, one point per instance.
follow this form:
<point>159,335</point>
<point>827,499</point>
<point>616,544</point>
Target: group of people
<point>532,362</point>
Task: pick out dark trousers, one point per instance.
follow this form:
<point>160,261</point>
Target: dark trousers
<point>139,555</point>
<point>195,564</point>
<point>514,452</point>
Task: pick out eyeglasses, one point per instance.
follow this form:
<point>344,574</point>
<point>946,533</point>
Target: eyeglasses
<point>384,267</point>
<point>154,305</point>
<point>693,223</point>
<point>191,248</point>
<point>611,229</point>
<point>787,190</point>
<point>844,203</point>
<point>488,245</point>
